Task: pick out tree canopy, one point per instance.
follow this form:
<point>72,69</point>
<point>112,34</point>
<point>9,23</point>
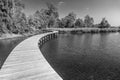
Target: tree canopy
<point>14,20</point>
<point>79,23</point>
<point>89,21</point>
<point>68,21</point>
<point>104,24</point>
<point>5,15</point>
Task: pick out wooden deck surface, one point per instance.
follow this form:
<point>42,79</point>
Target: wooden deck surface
<point>26,62</point>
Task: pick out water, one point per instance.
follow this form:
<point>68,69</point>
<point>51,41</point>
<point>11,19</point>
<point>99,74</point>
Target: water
<point>6,46</point>
<point>85,56</point>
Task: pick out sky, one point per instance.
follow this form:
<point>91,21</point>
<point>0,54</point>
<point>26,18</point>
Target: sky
<point>98,9</point>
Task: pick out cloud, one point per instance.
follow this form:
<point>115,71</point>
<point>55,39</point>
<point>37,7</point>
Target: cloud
<point>60,3</point>
<point>87,8</point>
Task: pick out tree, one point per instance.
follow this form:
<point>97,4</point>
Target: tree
<point>104,24</point>
<point>59,23</point>
<point>52,22</point>
<point>20,22</point>
<point>30,23</point>
<point>89,21</point>
<point>5,15</point>
<point>68,21</point>
<point>50,15</point>
<point>40,19</point>
<point>37,20</point>
<point>46,17</point>
<point>53,14</point>
<point>79,23</point>
<point>18,7</point>
<point>19,17</point>
<point>52,10</point>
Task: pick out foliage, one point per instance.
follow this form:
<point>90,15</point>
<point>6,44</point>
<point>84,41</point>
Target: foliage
<point>5,15</point>
<point>79,23</point>
<point>44,18</point>
<point>89,21</point>
<point>104,24</point>
<point>68,21</point>
<point>19,17</point>
<point>59,23</point>
<point>14,20</point>
<point>52,13</point>
<point>38,20</point>
<point>52,10</point>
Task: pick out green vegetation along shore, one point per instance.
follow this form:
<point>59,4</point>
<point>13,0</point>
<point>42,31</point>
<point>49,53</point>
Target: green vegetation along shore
<point>13,20</point>
<point>8,36</point>
<point>85,30</point>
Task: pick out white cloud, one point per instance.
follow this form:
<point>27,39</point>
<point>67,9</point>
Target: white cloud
<point>87,8</point>
<point>60,3</point>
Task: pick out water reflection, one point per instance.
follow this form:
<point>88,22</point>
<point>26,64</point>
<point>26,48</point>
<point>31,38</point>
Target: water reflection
<point>85,56</point>
<point>6,46</point>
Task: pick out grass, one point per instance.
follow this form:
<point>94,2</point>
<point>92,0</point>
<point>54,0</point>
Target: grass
<point>85,30</point>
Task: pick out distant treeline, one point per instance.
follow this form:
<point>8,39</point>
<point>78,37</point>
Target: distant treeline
<point>14,20</point>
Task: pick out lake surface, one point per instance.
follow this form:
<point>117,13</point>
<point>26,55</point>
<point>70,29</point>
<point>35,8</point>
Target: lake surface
<point>6,46</point>
<point>85,56</point>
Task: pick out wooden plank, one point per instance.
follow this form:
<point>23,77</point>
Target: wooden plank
<point>26,62</point>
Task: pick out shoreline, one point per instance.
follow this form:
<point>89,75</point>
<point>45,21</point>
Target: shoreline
<point>85,30</point>
<point>64,30</point>
<point>10,36</point>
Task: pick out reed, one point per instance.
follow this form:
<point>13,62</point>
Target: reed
<point>85,30</point>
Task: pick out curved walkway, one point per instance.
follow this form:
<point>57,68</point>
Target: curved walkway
<point>26,62</point>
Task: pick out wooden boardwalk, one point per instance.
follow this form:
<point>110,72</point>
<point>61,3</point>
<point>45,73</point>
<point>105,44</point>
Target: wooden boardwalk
<point>26,62</point>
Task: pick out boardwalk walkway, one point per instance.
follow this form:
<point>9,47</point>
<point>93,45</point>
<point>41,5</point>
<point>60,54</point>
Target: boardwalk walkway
<point>26,62</point>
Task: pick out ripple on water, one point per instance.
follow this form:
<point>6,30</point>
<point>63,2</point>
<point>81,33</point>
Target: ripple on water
<point>85,56</point>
